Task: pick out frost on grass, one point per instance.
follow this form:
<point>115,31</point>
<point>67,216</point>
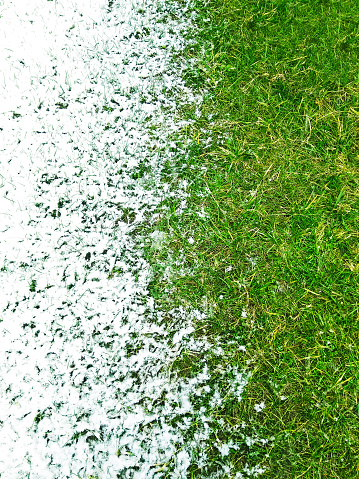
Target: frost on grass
<point>84,383</point>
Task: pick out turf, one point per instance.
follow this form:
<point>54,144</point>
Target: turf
<point>275,263</point>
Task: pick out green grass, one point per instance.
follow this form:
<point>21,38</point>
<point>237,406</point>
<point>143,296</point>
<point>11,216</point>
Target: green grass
<point>281,87</point>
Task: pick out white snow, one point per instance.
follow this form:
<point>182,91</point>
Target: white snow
<point>259,407</point>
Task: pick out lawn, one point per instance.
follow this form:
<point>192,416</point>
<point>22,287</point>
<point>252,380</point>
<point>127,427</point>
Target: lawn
<point>273,163</point>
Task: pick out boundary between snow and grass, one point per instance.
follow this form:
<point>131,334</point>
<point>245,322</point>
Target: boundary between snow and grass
<point>234,449</point>
<point>273,162</point>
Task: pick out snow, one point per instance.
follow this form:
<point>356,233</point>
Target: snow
<point>84,384</point>
<point>259,407</point>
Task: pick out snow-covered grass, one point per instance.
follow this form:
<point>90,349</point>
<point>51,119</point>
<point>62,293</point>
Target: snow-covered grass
<point>88,102</point>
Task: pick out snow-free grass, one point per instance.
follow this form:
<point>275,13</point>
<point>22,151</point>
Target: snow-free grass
<point>88,389</point>
<point>275,255</point>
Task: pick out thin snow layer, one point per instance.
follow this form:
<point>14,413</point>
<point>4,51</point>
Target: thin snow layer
<point>84,383</point>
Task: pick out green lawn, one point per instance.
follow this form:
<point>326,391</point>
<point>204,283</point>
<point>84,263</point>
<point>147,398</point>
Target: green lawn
<point>276,263</point>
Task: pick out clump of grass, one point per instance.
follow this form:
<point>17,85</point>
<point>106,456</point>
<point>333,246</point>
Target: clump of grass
<point>278,258</point>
